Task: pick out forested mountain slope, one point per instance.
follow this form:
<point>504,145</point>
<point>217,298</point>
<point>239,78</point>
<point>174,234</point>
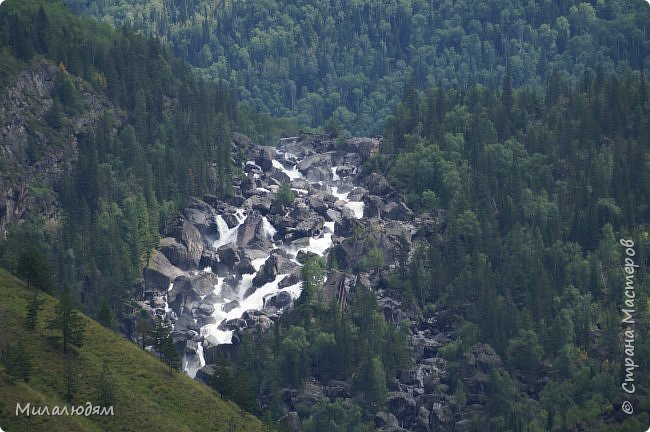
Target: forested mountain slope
<point>104,136</point>
<point>139,383</point>
<point>312,60</point>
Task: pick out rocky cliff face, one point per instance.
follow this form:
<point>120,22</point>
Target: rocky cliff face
<point>32,155</point>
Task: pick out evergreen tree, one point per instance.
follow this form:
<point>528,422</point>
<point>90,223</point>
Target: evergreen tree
<point>70,379</point>
<point>105,316</point>
<point>67,321</point>
<point>143,326</point>
<point>169,354</point>
<point>105,387</point>
<point>32,310</point>
<point>17,361</point>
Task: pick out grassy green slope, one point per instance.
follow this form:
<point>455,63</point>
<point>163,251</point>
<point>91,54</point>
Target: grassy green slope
<point>148,398</point>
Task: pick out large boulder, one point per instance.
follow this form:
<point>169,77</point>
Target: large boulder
<point>348,225</point>
<point>384,419</point>
<point>228,255</point>
<point>276,264</point>
<point>261,202</point>
<point>373,206</point>
<point>278,301</point>
<point>377,184</point>
<point>264,158</point>
<point>401,404</point>
<point>203,217</point>
<point>159,273</point>
<point>251,232</point>
<point>397,211</point>
<point>191,289</point>
<point>176,253</point>
<point>187,234</point>
<point>318,160</point>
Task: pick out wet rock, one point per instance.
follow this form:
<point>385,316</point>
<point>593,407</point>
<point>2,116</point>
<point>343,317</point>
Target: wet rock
<point>318,160</point>
<point>303,256</point>
<point>209,258</point>
<point>373,206</point>
<point>332,215</point>
<point>384,419</point>
<point>317,203</point>
<point>245,266</point>
<point>205,309</point>
<point>357,194</point>
<point>230,306</point>
<point>278,301</point>
<point>377,184</point>
<point>160,272</point>
<point>187,234</point>
<point>228,255</point>
<point>291,279</point>
<point>348,225</point>
<point>189,289</point>
<point>345,170</point>
<point>251,232</point>
<point>401,404</point>
<point>273,266</point>
<point>261,203</point>
<point>206,372</point>
<point>397,211</point>
<point>176,253</point>
<point>264,158</point>
<point>230,219</point>
<point>203,217</point>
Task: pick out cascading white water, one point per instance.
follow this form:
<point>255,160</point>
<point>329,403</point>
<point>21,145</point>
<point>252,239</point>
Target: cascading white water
<point>225,308</point>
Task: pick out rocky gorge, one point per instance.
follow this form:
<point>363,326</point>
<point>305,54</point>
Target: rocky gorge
<point>231,266</point>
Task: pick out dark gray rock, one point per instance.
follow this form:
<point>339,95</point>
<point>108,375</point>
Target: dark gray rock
<point>397,211</point>
<point>160,273</point>
<point>176,253</point>
<point>187,234</point>
<point>278,301</point>
<point>291,279</point>
<point>401,404</point>
<point>332,215</point>
<point>230,306</point>
<point>264,158</point>
<point>357,194</point>
<point>384,419</point>
<point>209,258</point>
<point>377,184</point>
<point>373,206</point>
<point>245,266</point>
<point>310,394</point>
<point>261,203</point>
<point>273,266</point>
<point>228,255</point>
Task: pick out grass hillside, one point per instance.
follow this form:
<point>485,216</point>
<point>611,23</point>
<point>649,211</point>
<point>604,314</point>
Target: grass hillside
<point>148,397</point>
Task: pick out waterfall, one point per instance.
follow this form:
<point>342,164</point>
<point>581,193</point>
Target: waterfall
<point>229,298</point>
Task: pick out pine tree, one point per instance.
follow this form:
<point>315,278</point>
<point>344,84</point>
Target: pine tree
<point>33,308</point>
<point>143,326</point>
<point>68,322</point>
<point>69,374</point>
<point>159,334</point>
<point>17,361</point>
<point>105,387</point>
<point>105,316</point>
<point>169,354</point>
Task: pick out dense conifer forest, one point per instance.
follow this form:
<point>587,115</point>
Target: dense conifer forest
<point>518,130</point>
